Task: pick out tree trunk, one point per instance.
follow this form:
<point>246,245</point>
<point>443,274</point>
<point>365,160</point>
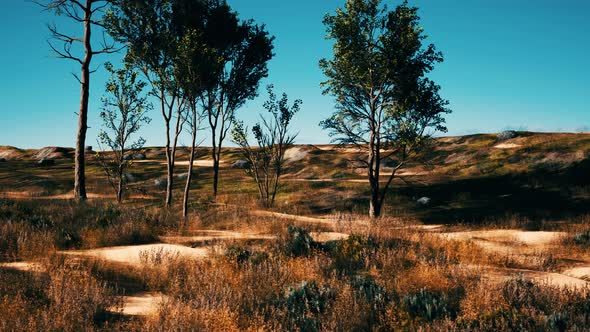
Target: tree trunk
<point>120,190</point>
<point>215,172</point>
<point>80,161</point>
<point>169,167</point>
<point>187,187</point>
<point>374,204</point>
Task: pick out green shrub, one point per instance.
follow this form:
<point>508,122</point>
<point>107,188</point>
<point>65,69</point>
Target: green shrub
<point>297,242</point>
<point>304,305</point>
<point>353,253</point>
<point>427,306</point>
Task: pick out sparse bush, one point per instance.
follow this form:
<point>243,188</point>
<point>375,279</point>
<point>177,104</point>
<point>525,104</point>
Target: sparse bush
<point>305,304</point>
<point>353,253</point>
<point>297,242</point>
<point>427,306</point>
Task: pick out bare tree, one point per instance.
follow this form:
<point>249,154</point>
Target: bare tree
<point>266,161</point>
<point>89,14</point>
<point>123,113</point>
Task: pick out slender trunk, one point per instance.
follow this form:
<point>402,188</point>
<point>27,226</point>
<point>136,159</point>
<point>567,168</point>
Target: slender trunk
<point>216,156</point>
<point>169,167</point>
<point>120,190</point>
<point>187,187</point>
<point>79,167</point>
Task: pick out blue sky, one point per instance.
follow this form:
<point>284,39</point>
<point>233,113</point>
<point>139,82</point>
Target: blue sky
<point>508,64</point>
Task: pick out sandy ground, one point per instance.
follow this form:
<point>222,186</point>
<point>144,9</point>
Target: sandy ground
<point>505,241</point>
<point>214,235</point>
<point>132,254</point>
<point>507,146</point>
<point>142,304</point>
<point>23,266</point>
<point>263,213</point>
<point>70,195</point>
<point>328,236</point>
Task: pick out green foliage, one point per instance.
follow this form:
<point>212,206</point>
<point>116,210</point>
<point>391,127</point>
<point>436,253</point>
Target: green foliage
<point>297,242</point>
<point>304,304</point>
<point>427,306</point>
<point>123,114</point>
<point>384,101</point>
<point>353,253</point>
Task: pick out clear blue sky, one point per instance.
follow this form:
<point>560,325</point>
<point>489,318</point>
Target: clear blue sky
<point>508,63</point>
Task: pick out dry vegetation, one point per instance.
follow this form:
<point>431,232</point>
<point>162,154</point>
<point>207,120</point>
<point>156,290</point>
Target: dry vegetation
<point>501,250</point>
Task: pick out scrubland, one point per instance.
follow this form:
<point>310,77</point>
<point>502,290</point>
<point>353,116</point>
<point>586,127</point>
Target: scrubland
<point>502,245</point>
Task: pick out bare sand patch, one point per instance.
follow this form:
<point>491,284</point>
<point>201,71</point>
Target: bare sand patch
<point>498,275</point>
<point>133,254</point>
<point>507,146</point>
<point>213,235</point>
<point>142,304</point>
<point>24,266</point>
<point>328,236</point>
<point>580,272</point>
<point>262,213</point>
<point>198,163</point>
<point>295,154</point>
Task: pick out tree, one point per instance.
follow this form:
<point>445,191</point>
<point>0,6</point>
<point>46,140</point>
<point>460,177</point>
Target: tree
<point>193,69</point>
<point>384,103</point>
<point>266,161</point>
<point>123,113</point>
<point>148,29</point>
<point>242,50</point>
<point>85,12</point>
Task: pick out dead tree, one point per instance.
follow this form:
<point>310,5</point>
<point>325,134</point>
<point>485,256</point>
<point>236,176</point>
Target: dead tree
<point>89,14</point>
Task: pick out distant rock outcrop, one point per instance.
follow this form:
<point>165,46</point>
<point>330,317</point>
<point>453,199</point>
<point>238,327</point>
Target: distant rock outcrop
<point>46,162</point>
<point>424,201</point>
<point>52,152</point>
<point>241,164</point>
<point>161,183</point>
<point>506,135</point>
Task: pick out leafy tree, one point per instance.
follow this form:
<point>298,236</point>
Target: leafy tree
<point>193,69</point>
<point>123,113</point>
<point>266,161</point>
<point>88,13</point>
<point>242,50</point>
<point>148,29</point>
<point>384,103</point>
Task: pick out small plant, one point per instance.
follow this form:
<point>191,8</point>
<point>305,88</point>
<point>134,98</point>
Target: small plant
<point>353,253</point>
<point>238,255</point>
<point>582,239</point>
<point>426,305</point>
<point>304,304</point>
<point>123,114</point>
<point>266,161</point>
<point>297,242</point>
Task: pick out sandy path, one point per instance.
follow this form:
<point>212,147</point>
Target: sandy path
<point>24,266</point>
<point>132,254</point>
<point>213,235</point>
<point>263,213</point>
<point>507,146</point>
<point>507,241</point>
<point>142,304</point>
<point>70,195</point>
<point>498,275</point>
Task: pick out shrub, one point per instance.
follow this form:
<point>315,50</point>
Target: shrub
<point>297,242</point>
<point>427,306</point>
<point>304,305</point>
<point>353,253</point>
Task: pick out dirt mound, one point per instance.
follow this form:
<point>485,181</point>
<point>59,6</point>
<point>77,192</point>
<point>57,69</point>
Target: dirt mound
<point>11,153</point>
<point>52,152</point>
